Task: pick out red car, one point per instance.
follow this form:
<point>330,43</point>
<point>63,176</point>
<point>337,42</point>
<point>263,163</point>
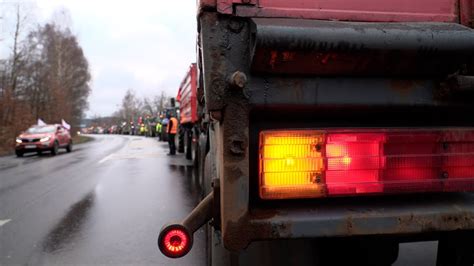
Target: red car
<point>43,138</point>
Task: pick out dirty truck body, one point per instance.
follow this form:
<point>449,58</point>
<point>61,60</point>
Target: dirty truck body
<point>334,128</point>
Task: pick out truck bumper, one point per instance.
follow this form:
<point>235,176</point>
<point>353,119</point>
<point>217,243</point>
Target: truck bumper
<point>425,216</point>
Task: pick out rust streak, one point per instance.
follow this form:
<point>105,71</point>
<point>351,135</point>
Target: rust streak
<point>449,222</point>
<point>239,234</point>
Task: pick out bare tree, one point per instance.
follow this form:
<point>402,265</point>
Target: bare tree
<point>11,68</point>
<point>153,106</point>
<point>46,76</point>
<point>131,106</point>
<point>148,107</point>
<point>59,76</point>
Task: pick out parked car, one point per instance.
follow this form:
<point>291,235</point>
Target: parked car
<point>43,138</point>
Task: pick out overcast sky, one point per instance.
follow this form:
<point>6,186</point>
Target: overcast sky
<point>146,45</point>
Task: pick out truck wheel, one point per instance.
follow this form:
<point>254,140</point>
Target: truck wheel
<point>19,153</point>
<point>201,158</point>
<point>181,140</point>
<point>188,140</point>
<point>208,173</point>
<point>456,249</point>
<point>196,150</point>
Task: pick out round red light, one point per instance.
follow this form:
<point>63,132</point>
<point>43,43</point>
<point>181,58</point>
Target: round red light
<point>174,241</point>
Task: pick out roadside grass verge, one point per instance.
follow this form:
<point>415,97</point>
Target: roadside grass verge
<point>78,139</point>
<point>5,151</point>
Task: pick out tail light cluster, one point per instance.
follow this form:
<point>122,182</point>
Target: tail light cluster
<point>326,163</point>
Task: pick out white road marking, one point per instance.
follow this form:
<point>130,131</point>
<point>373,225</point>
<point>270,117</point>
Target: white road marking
<point>4,222</point>
<point>105,158</point>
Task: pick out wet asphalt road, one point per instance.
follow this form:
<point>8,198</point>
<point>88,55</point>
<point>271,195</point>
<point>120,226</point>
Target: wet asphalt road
<point>104,203</point>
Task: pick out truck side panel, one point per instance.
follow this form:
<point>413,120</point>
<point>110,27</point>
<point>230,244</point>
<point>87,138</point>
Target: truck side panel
<point>356,10</point>
<point>187,97</point>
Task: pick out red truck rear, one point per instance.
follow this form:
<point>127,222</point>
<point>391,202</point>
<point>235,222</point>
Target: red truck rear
<point>332,131</point>
<point>187,97</point>
<point>189,129</point>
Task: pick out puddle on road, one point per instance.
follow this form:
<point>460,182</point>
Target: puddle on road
<point>189,180</point>
<point>69,226</point>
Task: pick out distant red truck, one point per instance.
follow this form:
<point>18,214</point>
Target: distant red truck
<point>187,97</point>
<point>43,138</point>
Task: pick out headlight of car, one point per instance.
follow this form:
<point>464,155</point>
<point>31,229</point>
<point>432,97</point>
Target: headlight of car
<point>45,139</point>
<point>18,140</point>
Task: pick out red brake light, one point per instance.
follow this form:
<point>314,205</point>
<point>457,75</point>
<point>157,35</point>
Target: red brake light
<point>175,241</point>
<point>365,162</point>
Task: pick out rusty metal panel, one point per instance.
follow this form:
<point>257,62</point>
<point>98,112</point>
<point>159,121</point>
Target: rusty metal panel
<point>289,46</point>
<point>290,91</point>
<point>225,50</point>
<point>224,47</point>
<point>385,216</point>
<point>434,213</point>
<point>355,10</point>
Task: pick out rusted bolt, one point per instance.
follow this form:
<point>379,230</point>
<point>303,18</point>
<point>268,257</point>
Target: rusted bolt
<point>216,116</point>
<point>235,25</point>
<point>237,147</point>
<point>238,79</point>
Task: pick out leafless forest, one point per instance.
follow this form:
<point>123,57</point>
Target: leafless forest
<point>46,75</point>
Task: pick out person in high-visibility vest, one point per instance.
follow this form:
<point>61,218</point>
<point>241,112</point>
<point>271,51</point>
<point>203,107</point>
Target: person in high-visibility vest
<point>158,130</point>
<point>142,129</point>
<point>171,129</point>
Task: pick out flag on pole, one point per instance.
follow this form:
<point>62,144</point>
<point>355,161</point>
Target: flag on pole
<point>41,122</point>
<point>65,125</point>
